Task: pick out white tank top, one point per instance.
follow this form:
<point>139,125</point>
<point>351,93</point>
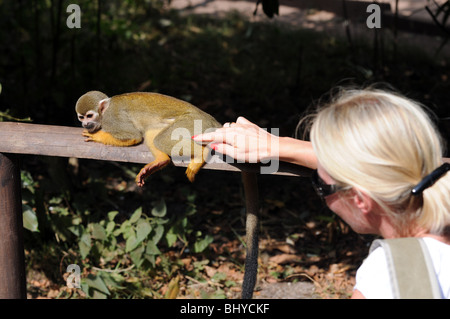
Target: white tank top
<point>372,278</point>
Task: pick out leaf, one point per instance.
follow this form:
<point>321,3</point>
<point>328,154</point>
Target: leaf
<point>191,210</point>
<point>136,215</point>
<point>27,181</point>
<point>113,280</point>
<point>86,238</point>
<point>84,249</point>
<point>30,221</point>
<point>97,283</point>
<point>132,243</point>
<point>219,276</point>
<point>159,232</point>
<point>125,229</point>
<point>98,232</point>
<point>173,288</point>
<point>162,221</point>
<point>152,249</point>
<point>184,223</point>
<point>160,209</point>
<point>136,255</point>
<point>143,228</point>
<point>112,245</point>
<point>202,244</point>
<point>110,227</point>
<point>282,259</point>
<point>171,237</point>
<point>85,244</point>
<point>112,215</point>
<point>77,230</point>
<point>151,259</point>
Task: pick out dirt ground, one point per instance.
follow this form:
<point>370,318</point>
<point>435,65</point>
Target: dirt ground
<point>286,290</point>
<point>295,14</point>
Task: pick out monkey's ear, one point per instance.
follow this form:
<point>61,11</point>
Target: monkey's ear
<point>103,105</point>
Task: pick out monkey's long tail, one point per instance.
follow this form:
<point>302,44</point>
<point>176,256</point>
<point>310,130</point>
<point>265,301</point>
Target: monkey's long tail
<point>252,206</point>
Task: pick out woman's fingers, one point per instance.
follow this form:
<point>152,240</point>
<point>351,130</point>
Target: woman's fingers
<point>241,140</point>
<point>242,120</point>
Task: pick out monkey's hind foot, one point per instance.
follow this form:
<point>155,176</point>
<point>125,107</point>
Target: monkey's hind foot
<point>149,169</point>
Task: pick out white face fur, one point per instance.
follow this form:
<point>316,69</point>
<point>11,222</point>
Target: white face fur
<point>90,121</point>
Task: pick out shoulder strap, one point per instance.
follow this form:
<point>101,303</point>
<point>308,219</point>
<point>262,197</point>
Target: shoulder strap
<point>410,268</point>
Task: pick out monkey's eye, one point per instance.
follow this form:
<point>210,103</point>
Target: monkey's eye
<point>80,117</point>
<point>89,116</point>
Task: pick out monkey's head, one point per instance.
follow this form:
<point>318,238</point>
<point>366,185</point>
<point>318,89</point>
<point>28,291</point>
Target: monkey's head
<point>88,110</point>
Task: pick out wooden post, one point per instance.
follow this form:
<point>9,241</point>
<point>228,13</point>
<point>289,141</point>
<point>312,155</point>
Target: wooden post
<point>12,259</point>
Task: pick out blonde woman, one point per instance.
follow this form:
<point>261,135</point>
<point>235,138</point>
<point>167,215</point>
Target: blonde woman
<point>378,165</point>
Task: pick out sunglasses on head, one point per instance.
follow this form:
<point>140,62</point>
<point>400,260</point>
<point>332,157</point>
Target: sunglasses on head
<point>321,187</point>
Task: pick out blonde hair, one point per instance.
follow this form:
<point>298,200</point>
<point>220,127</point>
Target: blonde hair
<point>384,144</point>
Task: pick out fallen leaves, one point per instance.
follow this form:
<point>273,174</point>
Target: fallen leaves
<point>285,259</point>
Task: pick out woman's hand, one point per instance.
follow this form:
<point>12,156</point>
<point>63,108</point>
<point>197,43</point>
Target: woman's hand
<point>243,141</point>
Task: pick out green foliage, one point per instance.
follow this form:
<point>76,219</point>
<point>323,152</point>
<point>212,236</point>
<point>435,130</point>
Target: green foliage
<point>136,238</point>
<point>30,221</point>
<point>115,247</point>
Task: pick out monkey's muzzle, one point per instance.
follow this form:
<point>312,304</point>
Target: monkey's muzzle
<point>92,127</point>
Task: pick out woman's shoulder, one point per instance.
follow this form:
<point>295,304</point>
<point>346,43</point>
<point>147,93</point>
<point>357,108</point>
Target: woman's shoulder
<point>372,277</point>
<point>440,255</point>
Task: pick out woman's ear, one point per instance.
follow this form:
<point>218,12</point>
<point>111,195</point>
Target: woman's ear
<point>363,201</point>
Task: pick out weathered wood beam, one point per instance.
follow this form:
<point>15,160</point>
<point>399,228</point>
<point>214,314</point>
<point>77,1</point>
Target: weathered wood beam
<point>63,141</point>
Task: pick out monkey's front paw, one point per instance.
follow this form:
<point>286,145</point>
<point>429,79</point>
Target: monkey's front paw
<point>89,136</point>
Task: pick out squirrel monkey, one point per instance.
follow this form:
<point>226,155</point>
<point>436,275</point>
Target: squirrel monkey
<point>128,119</point>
